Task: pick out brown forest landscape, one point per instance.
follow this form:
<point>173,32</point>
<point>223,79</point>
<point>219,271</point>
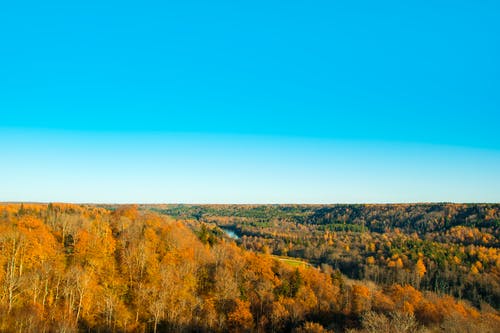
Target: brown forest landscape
<point>249,268</point>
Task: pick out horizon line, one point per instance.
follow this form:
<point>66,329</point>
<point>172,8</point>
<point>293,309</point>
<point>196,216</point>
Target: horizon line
<point>248,204</point>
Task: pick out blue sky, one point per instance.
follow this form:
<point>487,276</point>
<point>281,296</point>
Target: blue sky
<point>263,101</point>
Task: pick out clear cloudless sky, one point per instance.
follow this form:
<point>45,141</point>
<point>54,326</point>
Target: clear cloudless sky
<point>250,101</point>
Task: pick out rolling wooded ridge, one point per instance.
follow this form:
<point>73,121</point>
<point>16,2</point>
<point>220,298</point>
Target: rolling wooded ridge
<point>171,268</point>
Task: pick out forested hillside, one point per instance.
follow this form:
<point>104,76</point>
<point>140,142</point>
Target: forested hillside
<point>445,248</point>
<point>69,268</point>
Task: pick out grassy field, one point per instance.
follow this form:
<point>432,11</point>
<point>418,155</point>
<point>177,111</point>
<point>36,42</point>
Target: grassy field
<point>292,261</point>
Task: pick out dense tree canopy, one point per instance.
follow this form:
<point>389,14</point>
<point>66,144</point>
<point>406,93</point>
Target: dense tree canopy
<point>445,248</point>
<point>68,268</point>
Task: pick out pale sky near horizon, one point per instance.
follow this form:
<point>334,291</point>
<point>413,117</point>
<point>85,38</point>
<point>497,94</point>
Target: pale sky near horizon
<point>257,102</point>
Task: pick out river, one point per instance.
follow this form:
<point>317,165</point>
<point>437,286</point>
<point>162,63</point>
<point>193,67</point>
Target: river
<point>231,233</point>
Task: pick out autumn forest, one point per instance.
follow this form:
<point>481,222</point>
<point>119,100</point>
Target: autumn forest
<point>249,268</point>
